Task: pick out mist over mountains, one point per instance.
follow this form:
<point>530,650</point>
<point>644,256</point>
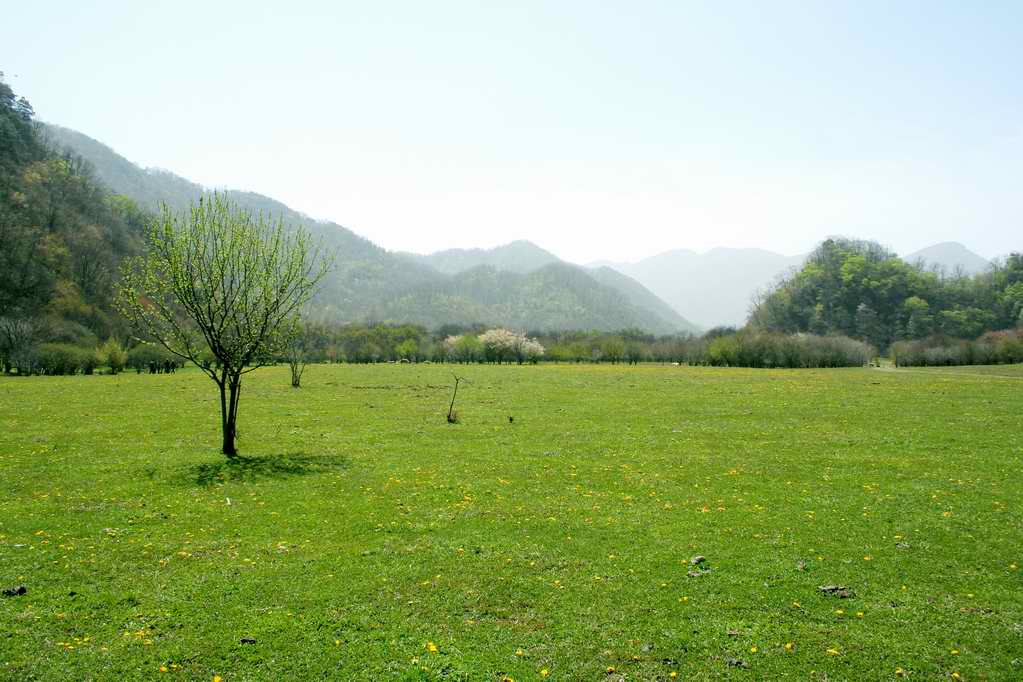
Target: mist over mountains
<point>950,257</point>
<point>515,288</point>
<point>518,284</point>
<point>714,288</point>
<point>718,287</point>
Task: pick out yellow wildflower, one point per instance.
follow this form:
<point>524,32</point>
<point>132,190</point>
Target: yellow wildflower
<point>431,647</point>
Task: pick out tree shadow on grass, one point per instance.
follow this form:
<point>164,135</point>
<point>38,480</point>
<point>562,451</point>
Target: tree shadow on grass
<point>249,469</point>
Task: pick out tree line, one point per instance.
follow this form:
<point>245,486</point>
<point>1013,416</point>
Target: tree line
<point>63,239</point>
<point>992,348</point>
<point>355,343</point>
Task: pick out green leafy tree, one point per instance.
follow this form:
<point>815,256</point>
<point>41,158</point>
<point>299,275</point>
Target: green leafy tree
<point>919,321</point>
<point>297,351</point>
<point>407,349</point>
<point>113,355</point>
<point>868,325</point>
<point>613,350</point>
<point>1012,300</point>
<point>219,279</point>
<point>467,348</point>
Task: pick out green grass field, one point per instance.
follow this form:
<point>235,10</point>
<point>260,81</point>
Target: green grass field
<point>365,538</point>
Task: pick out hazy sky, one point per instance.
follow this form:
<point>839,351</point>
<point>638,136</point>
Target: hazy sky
<point>596,129</point>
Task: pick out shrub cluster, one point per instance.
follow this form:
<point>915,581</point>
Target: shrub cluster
<point>63,358</point>
<point>993,348</point>
<point>750,348</point>
<point>141,357</point>
<point>60,358</point>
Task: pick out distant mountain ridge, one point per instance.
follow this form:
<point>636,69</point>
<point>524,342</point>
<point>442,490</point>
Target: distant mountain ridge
<point>518,256</point>
<point>718,287</point>
<point>524,257</point>
<point>371,284</point>
<point>950,256</point>
<point>713,288</point>
<point>675,291</point>
<point>486,294</point>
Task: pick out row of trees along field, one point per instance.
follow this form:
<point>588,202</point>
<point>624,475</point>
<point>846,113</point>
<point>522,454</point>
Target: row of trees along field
<point>456,344</point>
<point>63,239</point>
<point>992,348</point>
<point>862,290</point>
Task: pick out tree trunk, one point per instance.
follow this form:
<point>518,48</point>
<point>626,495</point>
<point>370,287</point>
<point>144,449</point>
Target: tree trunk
<point>230,390</point>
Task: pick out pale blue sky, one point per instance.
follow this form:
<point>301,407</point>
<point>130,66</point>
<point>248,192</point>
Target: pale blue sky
<point>598,130</point>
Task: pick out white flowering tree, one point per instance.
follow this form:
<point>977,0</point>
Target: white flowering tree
<point>502,345</point>
<point>499,345</point>
<point>531,350</point>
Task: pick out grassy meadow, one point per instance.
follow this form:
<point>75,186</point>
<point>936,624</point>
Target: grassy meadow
<point>362,537</point>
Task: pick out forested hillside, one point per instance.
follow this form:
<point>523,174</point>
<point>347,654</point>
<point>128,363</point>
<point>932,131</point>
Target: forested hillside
<point>63,234</point>
<point>371,284</point>
<point>519,256</point>
<point>558,296</point>
<point>524,258</point>
<point>862,290</point>
<point>62,237</point>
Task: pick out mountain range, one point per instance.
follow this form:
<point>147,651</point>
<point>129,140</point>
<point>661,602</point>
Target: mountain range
<point>718,287</point>
<point>519,284</point>
<point>371,284</point>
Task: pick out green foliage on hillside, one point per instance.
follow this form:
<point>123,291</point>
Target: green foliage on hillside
<point>62,236</point>
<point>865,291</point>
<point>371,284</point>
<point>524,258</point>
<point>556,296</point>
<point>519,256</point>
<point>640,296</point>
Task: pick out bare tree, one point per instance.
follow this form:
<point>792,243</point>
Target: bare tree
<point>452,414</point>
<point>18,339</point>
